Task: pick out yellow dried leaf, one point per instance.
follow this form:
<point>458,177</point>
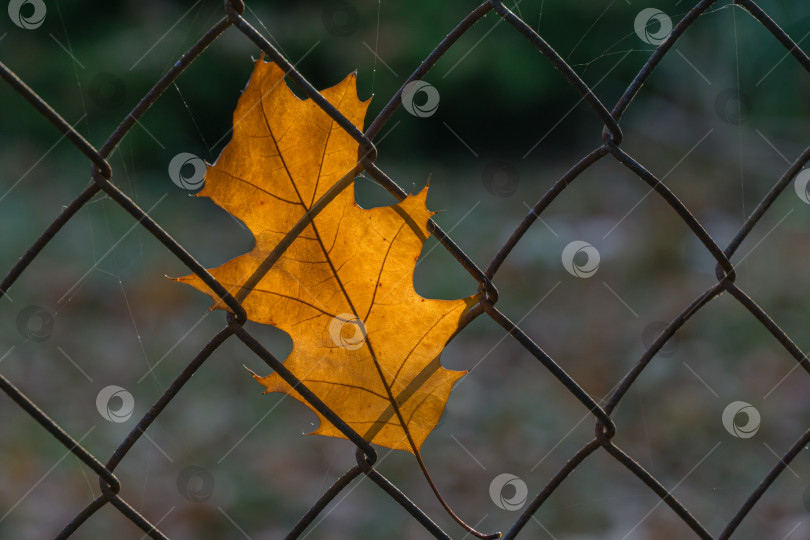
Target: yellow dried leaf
<point>344,289</point>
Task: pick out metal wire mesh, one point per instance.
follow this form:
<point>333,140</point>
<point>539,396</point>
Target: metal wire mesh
<point>102,172</point>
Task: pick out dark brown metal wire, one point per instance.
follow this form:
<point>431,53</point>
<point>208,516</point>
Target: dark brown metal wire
<point>102,172</point>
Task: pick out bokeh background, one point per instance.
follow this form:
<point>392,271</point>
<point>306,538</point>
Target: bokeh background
<point>720,119</point>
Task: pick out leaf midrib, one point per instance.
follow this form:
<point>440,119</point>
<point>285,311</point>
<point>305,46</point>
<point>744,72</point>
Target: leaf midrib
<point>388,389</point>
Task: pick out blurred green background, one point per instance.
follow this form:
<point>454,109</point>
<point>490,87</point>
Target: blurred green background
<point>719,120</point>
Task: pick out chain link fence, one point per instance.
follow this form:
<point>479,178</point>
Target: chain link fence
<point>665,36</point>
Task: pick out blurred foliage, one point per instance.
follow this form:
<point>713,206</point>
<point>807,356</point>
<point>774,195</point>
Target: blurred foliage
<point>492,82</point>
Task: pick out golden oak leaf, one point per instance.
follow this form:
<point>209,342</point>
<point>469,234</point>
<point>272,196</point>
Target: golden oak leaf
<point>343,289</point>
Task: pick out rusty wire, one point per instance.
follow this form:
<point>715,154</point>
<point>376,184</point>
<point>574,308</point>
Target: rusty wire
<point>102,173</point>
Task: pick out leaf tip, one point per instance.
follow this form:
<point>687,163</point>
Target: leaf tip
<point>259,379</point>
